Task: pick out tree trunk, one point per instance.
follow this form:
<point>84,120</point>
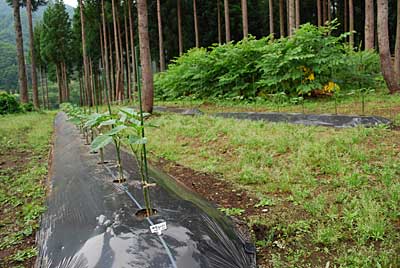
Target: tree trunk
<point>291,15</point>
<point>219,21</point>
<point>127,58</point>
<point>319,12</point>
<point>227,21</point>
<point>245,21</point>
<point>59,82</point>
<point>84,54</point>
<point>397,46</point>
<point>160,38</point>
<point>328,10</point>
<point>23,83</point>
<point>117,54</point>
<point>121,58</point>
<point>106,58</point>
<point>133,47</point>
<point>351,23</point>
<point>282,18</point>
<point>42,87</point>
<point>384,50</point>
<point>271,16</point>
<point>369,24</point>
<point>112,73</point>
<point>324,18</point>
<point>297,14</point>
<point>196,24</point>
<point>345,16</point>
<point>180,41</point>
<point>35,92</point>
<point>47,89</point>
<point>145,57</point>
<point>80,91</point>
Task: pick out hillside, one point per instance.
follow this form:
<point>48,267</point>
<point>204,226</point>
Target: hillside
<point>8,61</point>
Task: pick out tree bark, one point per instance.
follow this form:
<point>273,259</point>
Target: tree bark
<point>145,57</point>
<point>42,87</point>
<point>121,58</point>
<point>291,16</point>
<point>35,92</point>
<point>219,21</point>
<point>345,16</point>
<point>245,21</point>
<point>131,35</point>
<point>128,63</point>
<point>47,88</point>
<point>196,24</point>
<point>160,38</point>
<point>328,10</point>
<point>297,14</point>
<point>369,24</point>
<point>271,16</point>
<point>319,12</point>
<point>180,41</point>
<point>397,46</point>
<point>84,53</point>
<point>117,54</point>
<point>351,23</point>
<point>384,50</point>
<point>227,21</point>
<point>324,18</point>
<point>23,83</point>
<point>106,58</point>
<point>59,82</point>
<point>282,18</point>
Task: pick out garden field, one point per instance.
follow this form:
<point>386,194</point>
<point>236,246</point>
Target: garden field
<point>25,142</point>
<point>311,196</point>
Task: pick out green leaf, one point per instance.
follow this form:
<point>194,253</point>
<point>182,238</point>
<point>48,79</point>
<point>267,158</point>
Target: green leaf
<point>108,122</point>
<point>136,140</point>
<point>100,142</point>
<point>115,130</point>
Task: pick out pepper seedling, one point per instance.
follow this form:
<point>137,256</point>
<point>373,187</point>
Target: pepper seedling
<point>114,135</point>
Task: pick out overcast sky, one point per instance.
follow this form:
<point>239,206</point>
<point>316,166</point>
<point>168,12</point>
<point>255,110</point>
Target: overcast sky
<point>72,3</point>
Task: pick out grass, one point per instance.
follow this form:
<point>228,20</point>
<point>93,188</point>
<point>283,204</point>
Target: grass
<point>333,196</point>
<point>24,148</point>
<point>379,103</point>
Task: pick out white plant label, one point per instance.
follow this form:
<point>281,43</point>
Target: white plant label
<point>158,228</point>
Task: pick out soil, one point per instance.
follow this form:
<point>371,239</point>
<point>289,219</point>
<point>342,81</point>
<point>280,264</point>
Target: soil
<point>13,162</point>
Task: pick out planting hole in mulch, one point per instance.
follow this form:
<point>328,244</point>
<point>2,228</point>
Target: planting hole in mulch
<point>144,213</point>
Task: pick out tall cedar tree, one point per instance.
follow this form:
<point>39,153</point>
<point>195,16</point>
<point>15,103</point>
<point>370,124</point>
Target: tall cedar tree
<point>145,57</point>
<point>384,50</point>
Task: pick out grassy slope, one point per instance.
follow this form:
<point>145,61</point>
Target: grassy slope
<point>333,195</point>
<point>24,147</point>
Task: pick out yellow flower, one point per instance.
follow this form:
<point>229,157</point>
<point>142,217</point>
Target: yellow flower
<point>331,87</point>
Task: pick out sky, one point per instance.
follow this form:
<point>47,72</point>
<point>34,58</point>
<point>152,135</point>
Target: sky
<point>72,3</point>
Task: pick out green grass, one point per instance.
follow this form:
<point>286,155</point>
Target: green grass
<point>379,103</point>
<point>332,195</point>
<point>24,147</point>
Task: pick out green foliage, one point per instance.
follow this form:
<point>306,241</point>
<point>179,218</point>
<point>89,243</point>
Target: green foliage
<point>232,211</point>
<point>312,59</point>
<point>8,103</point>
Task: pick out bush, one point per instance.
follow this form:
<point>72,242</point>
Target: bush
<point>312,60</point>
<point>27,107</point>
<point>8,103</point>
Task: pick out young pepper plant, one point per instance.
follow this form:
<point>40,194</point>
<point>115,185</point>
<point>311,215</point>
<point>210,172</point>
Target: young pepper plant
<point>114,135</point>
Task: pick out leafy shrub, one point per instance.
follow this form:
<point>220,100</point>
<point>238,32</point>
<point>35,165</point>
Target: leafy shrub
<point>309,61</point>
<point>8,103</point>
<point>27,107</point>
